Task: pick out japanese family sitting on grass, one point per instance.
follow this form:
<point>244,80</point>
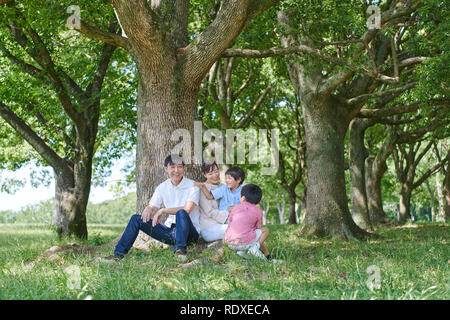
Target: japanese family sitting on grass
<point>211,210</point>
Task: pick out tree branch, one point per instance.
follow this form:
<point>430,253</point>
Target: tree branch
<point>40,117</point>
<point>104,36</point>
<point>429,172</point>
<point>341,77</point>
<point>242,122</point>
<point>208,47</point>
<point>139,21</point>
<point>39,52</point>
<point>96,85</point>
<point>422,154</point>
<point>417,134</point>
<point>28,68</point>
<point>245,84</point>
<point>398,121</point>
<point>50,73</point>
<point>380,113</point>
<point>364,97</point>
<point>411,61</point>
<point>394,12</point>
<point>31,137</point>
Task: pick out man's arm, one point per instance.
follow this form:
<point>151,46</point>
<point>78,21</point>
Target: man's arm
<point>148,213</point>
<point>188,207</point>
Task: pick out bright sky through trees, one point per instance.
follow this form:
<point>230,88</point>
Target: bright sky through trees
<point>29,195</point>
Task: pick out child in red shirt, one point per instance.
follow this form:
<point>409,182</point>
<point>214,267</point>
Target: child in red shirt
<point>244,233</point>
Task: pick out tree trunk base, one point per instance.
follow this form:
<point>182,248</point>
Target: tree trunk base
<point>340,232</point>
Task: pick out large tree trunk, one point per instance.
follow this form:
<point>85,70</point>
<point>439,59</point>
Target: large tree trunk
<point>165,104</point>
<point>447,192</point>
<point>433,205</point>
<point>357,156</point>
<point>170,73</point>
<point>72,189</point>
<point>328,213</point>
<point>441,200</point>
<point>292,213</point>
<point>303,210</point>
<point>73,181</point>
<point>265,206</point>
<point>404,212</point>
<point>281,207</point>
<point>374,175</point>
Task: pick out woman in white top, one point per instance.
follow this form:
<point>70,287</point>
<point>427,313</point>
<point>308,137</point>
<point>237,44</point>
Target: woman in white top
<point>212,220</point>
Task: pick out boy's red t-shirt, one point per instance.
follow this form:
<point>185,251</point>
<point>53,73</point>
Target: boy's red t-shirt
<point>243,220</point>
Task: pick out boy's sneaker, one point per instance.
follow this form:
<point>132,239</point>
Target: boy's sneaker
<point>275,261</point>
<point>272,260</point>
<point>254,250</point>
<point>181,255</point>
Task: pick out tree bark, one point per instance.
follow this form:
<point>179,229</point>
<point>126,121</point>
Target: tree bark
<point>404,212</point>
<point>281,208</point>
<point>70,206</point>
<point>447,191</point>
<point>265,208</point>
<point>328,213</point>
<point>374,174</point>
<point>441,200</point>
<point>433,205</point>
<point>292,214</point>
<point>165,104</point>
<point>357,156</point>
<point>304,211</point>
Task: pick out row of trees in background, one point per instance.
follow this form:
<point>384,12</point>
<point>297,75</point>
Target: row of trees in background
<point>115,211</point>
<point>362,108</point>
<point>118,211</point>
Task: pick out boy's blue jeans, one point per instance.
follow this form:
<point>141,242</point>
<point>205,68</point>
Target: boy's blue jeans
<point>179,234</point>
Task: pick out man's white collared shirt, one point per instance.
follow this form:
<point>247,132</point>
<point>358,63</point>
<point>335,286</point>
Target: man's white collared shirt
<point>177,196</point>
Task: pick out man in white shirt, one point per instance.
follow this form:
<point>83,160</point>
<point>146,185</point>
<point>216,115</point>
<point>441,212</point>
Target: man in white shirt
<point>180,199</point>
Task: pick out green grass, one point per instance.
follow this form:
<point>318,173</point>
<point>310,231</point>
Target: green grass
<point>413,263</point>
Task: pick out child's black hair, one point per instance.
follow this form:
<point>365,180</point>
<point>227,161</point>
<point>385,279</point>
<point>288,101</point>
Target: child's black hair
<point>252,193</point>
<point>236,173</point>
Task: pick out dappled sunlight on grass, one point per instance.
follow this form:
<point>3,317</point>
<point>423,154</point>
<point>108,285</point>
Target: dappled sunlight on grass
<point>412,264</point>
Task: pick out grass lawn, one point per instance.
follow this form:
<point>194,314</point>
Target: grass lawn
<point>412,263</point>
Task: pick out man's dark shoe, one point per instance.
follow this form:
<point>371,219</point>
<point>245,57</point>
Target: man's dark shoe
<point>181,255</point>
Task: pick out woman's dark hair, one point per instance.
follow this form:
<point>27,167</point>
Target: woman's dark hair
<point>252,193</point>
<point>236,173</point>
<point>208,166</point>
